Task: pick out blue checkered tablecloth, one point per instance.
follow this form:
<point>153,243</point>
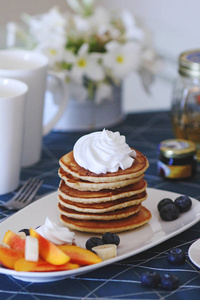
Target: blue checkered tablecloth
<point>121,280</point>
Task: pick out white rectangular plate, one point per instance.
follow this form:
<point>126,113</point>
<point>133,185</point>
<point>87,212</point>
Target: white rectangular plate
<point>131,242</point>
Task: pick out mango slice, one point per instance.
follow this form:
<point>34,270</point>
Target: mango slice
<point>14,240</point>
<point>48,251</point>
<point>9,256</point>
<point>80,255</point>
<point>41,266</point>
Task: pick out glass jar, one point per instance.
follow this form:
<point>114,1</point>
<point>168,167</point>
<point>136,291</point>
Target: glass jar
<point>185,110</point>
<point>177,159</point>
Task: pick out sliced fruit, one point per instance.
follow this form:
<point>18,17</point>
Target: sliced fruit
<point>9,256</point>
<point>106,251</point>
<point>25,231</point>
<point>48,251</point>
<point>21,234</point>
<point>31,248</point>
<point>41,266</point>
<point>4,244</point>
<point>14,240</point>
<point>79,255</point>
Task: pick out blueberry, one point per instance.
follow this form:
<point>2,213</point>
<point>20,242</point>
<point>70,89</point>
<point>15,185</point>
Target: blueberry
<point>163,202</point>
<point>25,230</point>
<point>176,257</point>
<point>93,242</point>
<point>150,279</point>
<point>184,203</point>
<point>169,282</point>
<point>169,212</point>
<point>111,238</point>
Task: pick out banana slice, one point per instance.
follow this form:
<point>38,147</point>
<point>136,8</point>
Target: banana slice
<point>22,234</point>
<point>31,248</point>
<point>106,251</point>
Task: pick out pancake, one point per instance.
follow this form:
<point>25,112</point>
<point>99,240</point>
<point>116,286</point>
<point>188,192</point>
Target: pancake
<point>99,203</point>
<point>69,165</point>
<point>82,185</point>
<point>97,226</point>
<point>104,195</point>
<point>113,215</point>
<point>104,206</point>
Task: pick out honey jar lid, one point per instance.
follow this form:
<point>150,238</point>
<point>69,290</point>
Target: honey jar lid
<point>189,63</point>
<point>177,148</point>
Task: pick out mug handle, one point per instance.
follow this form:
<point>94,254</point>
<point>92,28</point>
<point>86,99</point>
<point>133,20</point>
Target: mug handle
<point>57,86</point>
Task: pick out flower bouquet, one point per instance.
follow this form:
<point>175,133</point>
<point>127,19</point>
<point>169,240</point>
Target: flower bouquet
<point>91,46</point>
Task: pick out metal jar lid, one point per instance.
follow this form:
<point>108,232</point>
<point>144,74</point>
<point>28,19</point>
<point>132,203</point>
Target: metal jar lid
<point>177,148</point>
<point>189,63</point>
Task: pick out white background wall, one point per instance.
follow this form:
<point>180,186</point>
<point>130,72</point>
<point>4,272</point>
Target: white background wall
<point>174,23</point>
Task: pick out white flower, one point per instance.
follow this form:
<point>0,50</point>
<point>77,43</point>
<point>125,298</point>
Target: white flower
<point>53,49</point>
<point>46,26</point>
<point>86,64</point>
<point>132,32</point>
<point>95,46</point>
<point>69,57</point>
<point>101,23</point>
<point>103,93</point>
<point>49,33</point>
<point>151,61</point>
<point>121,58</point>
<point>80,6</point>
<point>100,19</point>
<point>81,24</point>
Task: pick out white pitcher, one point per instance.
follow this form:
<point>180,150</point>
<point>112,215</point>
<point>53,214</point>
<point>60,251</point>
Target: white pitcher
<point>32,69</point>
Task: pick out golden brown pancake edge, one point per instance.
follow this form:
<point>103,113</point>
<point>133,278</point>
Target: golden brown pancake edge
<point>82,185</point>
<point>100,196</point>
<point>134,221</point>
<point>112,215</point>
<point>104,206</point>
<point>69,165</point>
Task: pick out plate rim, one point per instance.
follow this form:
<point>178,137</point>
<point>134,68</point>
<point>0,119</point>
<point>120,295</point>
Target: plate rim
<point>58,275</point>
<point>191,248</point>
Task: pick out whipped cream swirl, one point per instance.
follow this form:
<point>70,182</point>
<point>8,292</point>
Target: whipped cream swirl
<point>104,151</point>
<point>55,233</point>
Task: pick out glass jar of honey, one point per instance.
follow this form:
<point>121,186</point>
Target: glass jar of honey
<point>185,110</point>
<point>177,159</point>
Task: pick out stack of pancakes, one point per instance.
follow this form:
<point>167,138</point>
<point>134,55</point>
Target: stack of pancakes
<point>101,203</point>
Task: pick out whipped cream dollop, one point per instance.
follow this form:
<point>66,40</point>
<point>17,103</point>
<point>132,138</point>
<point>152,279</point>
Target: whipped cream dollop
<point>55,233</point>
<point>103,151</point>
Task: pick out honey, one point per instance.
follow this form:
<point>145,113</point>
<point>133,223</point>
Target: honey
<point>186,99</point>
<point>177,159</point>
<point>188,128</point>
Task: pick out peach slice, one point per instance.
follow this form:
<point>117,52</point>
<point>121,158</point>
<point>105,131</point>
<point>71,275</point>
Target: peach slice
<point>41,266</point>
<point>80,255</point>
<point>48,251</point>
<point>9,256</point>
<point>14,240</point>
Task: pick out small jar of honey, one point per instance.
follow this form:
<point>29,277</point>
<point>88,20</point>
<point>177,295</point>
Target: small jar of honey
<point>185,112</point>
<point>177,159</point>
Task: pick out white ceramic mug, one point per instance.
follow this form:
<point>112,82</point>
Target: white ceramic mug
<point>32,69</point>
<point>12,107</point>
